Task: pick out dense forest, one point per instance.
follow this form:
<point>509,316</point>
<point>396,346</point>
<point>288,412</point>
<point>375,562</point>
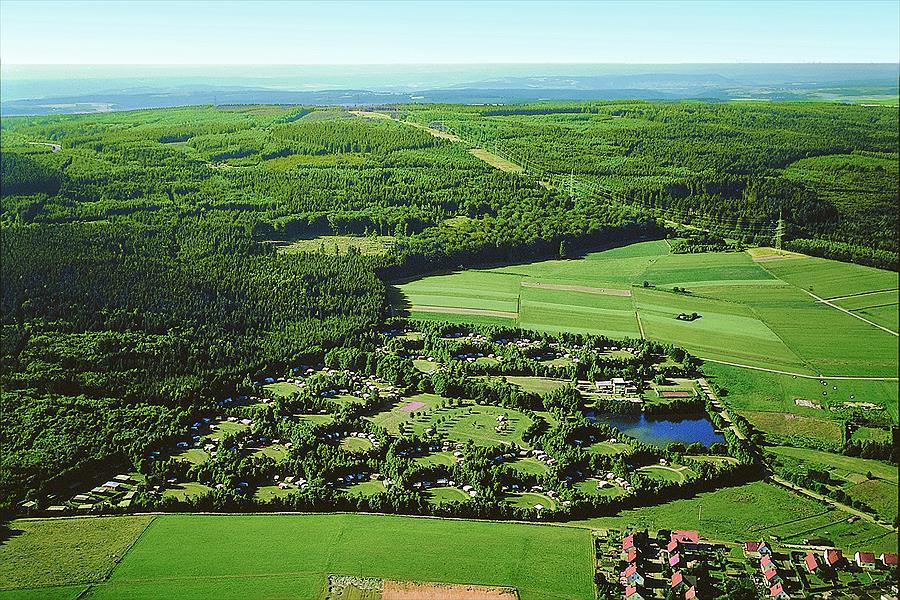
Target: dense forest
<point>141,278</point>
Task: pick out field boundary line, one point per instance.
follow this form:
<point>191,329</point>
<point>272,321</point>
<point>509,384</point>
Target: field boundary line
<point>577,288</point>
<point>852,314</point>
<point>475,312</point>
<point>822,498</point>
<point>803,375</point>
<point>128,549</point>
<point>861,294</point>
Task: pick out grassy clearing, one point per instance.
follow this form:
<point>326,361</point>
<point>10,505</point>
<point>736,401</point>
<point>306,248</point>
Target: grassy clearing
<point>181,556</point>
<point>61,552</point>
<point>436,459</point>
<point>531,500</point>
<point>282,389</point>
<point>589,487</point>
<point>474,422</point>
<point>830,278</point>
<point>356,444</point>
<point>186,490</point>
<point>442,495</point>
<point>765,510</point>
<point>870,481</point>
<point>65,592</point>
<point>342,244</point>
<point>530,466</point>
<point>795,425</point>
<point>759,391</point>
<point>607,448</point>
<point>539,385</point>
<point>661,473</point>
<point>392,418</point>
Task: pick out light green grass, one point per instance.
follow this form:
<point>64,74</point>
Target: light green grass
<point>831,278</point>
<point>435,459</point>
<point>366,488</point>
<point>268,493</point>
<point>282,389</point>
<point>442,495</point>
<point>530,466</point>
<point>182,556</point>
<point>607,448</point>
<point>342,244</point>
<point>184,491</point>
<point>589,487</point>
<point>226,428</point>
<point>276,452</point>
<point>391,418</point>
<point>356,444</point>
<point>196,456</point>
<point>765,510</point>
<point>669,474</point>
<point>57,552</point>
<point>538,385</point>
<point>476,423</point>
<point>65,592</point>
<point>530,499</point>
<point>759,391</point>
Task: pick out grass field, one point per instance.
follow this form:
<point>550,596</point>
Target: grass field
<point>674,473</point>
<point>765,397</point>
<point>281,556</point>
<point>341,244</point>
<point>754,308</point>
<point>765,510</point>
<point>530,466</point>
<point>474,422</point>
<point>60,552</point>
<point>852,475</point>
<point>539,385</point>
<point>441,495</point>
<point>391,418</point>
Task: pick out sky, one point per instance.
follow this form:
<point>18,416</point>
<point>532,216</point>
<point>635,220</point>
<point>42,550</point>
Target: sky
<point>422,32</point>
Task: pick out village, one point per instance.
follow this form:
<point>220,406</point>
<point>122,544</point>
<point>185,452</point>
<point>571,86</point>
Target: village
<point>682,564</point>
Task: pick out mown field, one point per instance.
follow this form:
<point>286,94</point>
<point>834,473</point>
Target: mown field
<point>753,311</point>
<point>280,556</point>
<point>766,510</point>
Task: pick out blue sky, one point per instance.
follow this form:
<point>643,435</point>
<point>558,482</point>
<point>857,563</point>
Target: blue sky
<point>185,33</point>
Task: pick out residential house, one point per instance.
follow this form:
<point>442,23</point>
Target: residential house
<point>777,592</point>
<point>865,560</point>
<point>833,557</point>
<point>812,565</point>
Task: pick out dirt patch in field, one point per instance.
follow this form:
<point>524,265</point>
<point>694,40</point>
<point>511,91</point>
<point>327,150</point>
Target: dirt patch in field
<point>495,161</point>
<point>449,310</point>
<point>412,406</point>
<point>400,590</point>
<point>577,288</point>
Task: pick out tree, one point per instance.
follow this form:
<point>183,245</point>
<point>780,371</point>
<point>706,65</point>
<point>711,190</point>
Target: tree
<point>564,249</point>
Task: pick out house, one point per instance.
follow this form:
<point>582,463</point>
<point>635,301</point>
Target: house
<point>627,543</point>
<point>688,538</point>
<point>632,576</point>
<point>767,563</point>
<point>675,560</point>
<point>751,549</point>
<point>777,592</point>
<point>632,556</point>
<point>672,547</point>
<point>811,563</point>
<point>764,549</point>
<point>865,560</point>
<point>678,582</point>
<point>632,593</point>
<point>772,576</point>
<point>888,560</point>
<point>833,557</point>
<point>691,594</point>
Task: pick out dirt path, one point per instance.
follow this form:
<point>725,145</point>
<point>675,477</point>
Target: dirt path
<point>449,310</point>
<point>811,494</point>
<point>394,590</point>
<point>861,295</point>
<point>494,160</point>
<point>803,375</point>
<point>577,288</point>
<point>852,314</point>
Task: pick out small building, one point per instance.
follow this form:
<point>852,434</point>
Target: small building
<point>632,555</point>
<point>767,563</point>
<point>888,560</point>
<point>675,560</point>
<point>633,593</point>
<point>777,592</point>
<point>751,549</point>
<point>772,576</point>
<point>633,576</point>
<point>686,537</point>
<point>691,594</point>
<point>812,565</point>
<point>678,582</point>
<point>833,557</point>
<point>865,560</point>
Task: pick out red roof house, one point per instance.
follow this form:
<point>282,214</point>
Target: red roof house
<point>771,575</point>
<point>691,594</point>
<point>632,555</point>
<point>866,560</point>
<point>833,557</point>
<point>888,560</point>
<point>751,547</point>
<point>811,563</point>
<point>672,546</point>
<point>627,543</point>
<point>766,562</point>
<point>685,536</point>
<point>674,560</point>
<point>777,591</point>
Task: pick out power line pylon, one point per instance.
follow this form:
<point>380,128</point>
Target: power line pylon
<point>779,231</point>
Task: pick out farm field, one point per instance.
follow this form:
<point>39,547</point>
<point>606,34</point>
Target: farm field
<point>762,393</point>
<point>753,307</point>
<point>766,510</point>
<point>870,481</point>
<point>62,552</point>
<point>182,556</point>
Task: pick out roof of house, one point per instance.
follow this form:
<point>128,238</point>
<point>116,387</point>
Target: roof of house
<point>776,590</point>
<point>627,542</point>
<point>889,559</point>
<point>630,591</point>
<point>684,535</point>
<point>672,546</point>
<point>833,555</point>
<point>811,563</point>
<point>770,574</point>
<point>632,555</point>
<point>766,561</point>
<point>674,559</point>
<point>677,578</point>
<point>751,546</point>
<point>629,571</point>
<point>691,594</point>
<point>865,557</point>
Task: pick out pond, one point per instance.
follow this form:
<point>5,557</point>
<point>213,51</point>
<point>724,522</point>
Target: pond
<point>662,431</point>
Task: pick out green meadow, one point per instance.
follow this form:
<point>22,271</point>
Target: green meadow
<point>754,312</point>
<point>277,556</point>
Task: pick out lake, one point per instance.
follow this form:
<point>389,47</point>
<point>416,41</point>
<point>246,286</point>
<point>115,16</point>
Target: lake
<point>662,431</point>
